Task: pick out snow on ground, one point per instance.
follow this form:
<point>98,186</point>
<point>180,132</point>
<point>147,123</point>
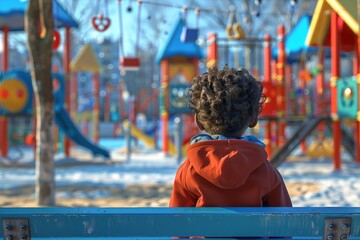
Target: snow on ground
<point>335,188</point>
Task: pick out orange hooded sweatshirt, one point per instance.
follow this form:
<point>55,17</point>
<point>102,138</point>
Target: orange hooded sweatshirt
<point>228,173</point>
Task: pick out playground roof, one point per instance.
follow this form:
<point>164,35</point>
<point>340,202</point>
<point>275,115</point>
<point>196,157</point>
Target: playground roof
<point>319,31</point>
<point>175,47</point>
<point>85,61</point>
<point>295,46</point>
<point>12,15</point>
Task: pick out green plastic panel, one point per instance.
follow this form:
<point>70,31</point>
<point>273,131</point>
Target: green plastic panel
<point>179,98</point>
<point>347,98</point>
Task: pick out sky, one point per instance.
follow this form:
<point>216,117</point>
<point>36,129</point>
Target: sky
<point>164,15</point>
<point>166,18</point>
<point>169,15</point>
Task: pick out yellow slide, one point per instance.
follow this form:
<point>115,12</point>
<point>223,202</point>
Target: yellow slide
<point>137,133</point>
<point>149,141</point>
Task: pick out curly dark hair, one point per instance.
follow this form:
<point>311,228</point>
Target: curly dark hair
<point>225,100</point>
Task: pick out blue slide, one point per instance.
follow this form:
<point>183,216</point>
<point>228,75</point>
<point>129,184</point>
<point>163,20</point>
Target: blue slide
<point>65,123</point>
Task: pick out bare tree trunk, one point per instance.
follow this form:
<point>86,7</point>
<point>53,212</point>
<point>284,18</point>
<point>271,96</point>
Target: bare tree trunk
<point>39,18</point>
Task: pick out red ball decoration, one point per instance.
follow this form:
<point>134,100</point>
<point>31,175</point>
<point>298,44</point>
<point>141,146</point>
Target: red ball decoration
<point>56,40</point>
<point>100,23</point>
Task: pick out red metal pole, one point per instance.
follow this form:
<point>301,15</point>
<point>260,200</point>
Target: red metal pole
<point>165,109</point>
<point>95,120</point>
<point>335,71</point>
<point>132,110</point>
<point>84,127</point>
<point>74,95</point>
<point>320,89</point>
<point>267,78</point>
<point>66,62</point>
<point>122,111</point>
<point>356,122</point>
<point>302,85</point>
<point>357,126</point>
<point>267,58</point>
<point>212,50</point>
<point>5,57</point>
<point>281,84</point>
<point>274,124</point>
<point>107,103</point>
<point>302,100</point>
<point>3,119</point>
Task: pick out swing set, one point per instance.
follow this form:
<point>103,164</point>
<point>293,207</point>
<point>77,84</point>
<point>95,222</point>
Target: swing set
<point>234,31</point>
<point>190,35</point>
<point>101,22</point>
<point>129,62</point>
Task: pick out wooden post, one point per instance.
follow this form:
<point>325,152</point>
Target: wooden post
<point>4,144</point>
<point>67,58</point>
<point>281,84</point>
<point>335,71</point>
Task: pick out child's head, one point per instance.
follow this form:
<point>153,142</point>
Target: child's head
<point>226,101</point>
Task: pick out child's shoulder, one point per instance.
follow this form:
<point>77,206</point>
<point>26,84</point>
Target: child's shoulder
<point>200,137</point>
<point>253,139</point>
<point>207,137</point>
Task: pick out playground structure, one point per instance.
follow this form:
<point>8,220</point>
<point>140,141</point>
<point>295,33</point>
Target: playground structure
<point>288,103</point>
<point>341,35</point>
<point>179,63</point>
<point>19,83</point>
<point>315,223</point>
<point>21,104</point>
<point>288,97</point>
<point>86,61</point>
<point>296,95</point>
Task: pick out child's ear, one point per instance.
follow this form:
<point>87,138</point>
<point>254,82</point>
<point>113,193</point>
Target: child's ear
<point>254,122</point>
<point>198,123</point>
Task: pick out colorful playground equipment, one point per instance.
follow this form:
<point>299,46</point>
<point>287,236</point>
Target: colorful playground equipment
<point>21,98</point>
<point>86,61</point>
<point>12,19</point>
<point>179,63</point>
<point>339,30</point>
<point>342,92</point>
<point>288,97</point>
<point>281,107</point>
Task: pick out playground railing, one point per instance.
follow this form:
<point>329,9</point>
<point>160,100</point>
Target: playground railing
<point>169,223</point>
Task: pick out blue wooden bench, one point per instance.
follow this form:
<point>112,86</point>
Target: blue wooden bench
<point>165,223</point>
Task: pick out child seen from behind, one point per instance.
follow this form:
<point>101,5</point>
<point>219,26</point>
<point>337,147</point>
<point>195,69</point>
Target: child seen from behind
<point>224,168</point>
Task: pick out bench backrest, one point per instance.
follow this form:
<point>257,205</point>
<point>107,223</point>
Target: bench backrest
<point>114,223</point>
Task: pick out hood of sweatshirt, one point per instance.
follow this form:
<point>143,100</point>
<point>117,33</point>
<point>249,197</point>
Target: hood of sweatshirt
<point>226,163</point>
